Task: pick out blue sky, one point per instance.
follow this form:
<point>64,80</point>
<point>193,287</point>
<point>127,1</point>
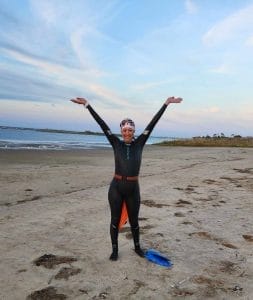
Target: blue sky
<point>126,57</point>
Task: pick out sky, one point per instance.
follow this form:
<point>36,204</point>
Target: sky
<point>126,57</point>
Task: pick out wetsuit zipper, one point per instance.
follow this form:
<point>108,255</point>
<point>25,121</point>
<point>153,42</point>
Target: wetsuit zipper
<point>128,151</point>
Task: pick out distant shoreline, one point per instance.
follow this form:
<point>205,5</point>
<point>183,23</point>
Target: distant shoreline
<point>86,132</point>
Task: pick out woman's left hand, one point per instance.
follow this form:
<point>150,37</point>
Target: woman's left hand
<point>173,100</point>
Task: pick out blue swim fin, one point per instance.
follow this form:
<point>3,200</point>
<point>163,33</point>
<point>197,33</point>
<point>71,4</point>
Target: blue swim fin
<point>158,258</point>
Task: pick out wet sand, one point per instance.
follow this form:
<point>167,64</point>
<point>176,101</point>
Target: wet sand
<point>197,209</point>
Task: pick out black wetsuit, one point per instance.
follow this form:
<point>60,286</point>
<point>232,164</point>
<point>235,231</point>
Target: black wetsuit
<point>127,163</point>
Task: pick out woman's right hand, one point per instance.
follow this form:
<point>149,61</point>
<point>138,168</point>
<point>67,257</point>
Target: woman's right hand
<point>79,101</point>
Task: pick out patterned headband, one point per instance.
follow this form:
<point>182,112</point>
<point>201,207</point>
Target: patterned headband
<point>127,123</point>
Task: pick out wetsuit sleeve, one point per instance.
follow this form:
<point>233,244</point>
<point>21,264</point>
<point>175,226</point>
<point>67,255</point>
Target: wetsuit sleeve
<point>111,137</point>
<point>146,133</point>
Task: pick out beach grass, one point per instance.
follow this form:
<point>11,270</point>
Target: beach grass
<point>244,142</point>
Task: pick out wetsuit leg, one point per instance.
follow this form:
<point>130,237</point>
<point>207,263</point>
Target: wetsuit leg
<point>133,207</point>
<point>116,202</point>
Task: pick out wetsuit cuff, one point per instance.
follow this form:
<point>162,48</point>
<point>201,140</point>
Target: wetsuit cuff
<point>86,104</point>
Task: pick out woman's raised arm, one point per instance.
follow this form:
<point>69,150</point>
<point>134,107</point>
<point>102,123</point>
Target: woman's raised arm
<point>111,137</point>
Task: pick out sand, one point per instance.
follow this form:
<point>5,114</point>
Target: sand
<point>197,209</point>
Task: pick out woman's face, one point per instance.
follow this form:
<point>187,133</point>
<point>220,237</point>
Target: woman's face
<point>127,134</point>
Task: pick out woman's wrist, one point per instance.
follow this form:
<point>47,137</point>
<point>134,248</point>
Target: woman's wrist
<point>86,104</point>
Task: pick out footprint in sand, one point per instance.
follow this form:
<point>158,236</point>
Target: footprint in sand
<point>248,237</point>
<point>207,236</point>
<point>187,223</point>
<point>179,214</point>
<point>182,292</point>
<point>65,273</point>
<point>209,181</point>
<point>143,219</point>
<point>222,201</point>
<point>152,203</point>
<point>229,267</point>
<point>229,245</point>
<point>224,266</point>
<point>182,203</point>
<point>30,199</point>
<point>128,232</point>
<point>189,189</point>
<point>49,261</point>
<point>137,285</point>
<point>246,170</point>
<point>211,285</point>
<point>47,293</point>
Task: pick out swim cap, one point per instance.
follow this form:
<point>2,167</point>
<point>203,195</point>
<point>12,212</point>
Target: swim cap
<point>127,123</point>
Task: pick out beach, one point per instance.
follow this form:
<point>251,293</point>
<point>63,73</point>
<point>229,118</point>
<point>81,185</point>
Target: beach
<point>196,208</point>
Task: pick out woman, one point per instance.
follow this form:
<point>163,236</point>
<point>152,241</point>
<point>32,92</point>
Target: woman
<point>124,186</point>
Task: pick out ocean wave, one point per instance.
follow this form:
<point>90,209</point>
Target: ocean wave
<point>50,146</point>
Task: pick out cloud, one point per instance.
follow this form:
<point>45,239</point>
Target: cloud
<point>191,7</point>
<point>249,41</point>
<point>36,89</point>
<point>7,19</point>
<point>83,38</point>
<point>150,85</point>
<point>64,76</point>
<point>30,60</point>
<point>241,22</point>
<point>202,113</point>
<point>210,120</point>
<point>222,69</point>
<point>212,109</point>
<point>46,10</point>
<point>43,115</point>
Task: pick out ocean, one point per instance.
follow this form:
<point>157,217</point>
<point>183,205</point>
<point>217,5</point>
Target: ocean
<point>20,138</point>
